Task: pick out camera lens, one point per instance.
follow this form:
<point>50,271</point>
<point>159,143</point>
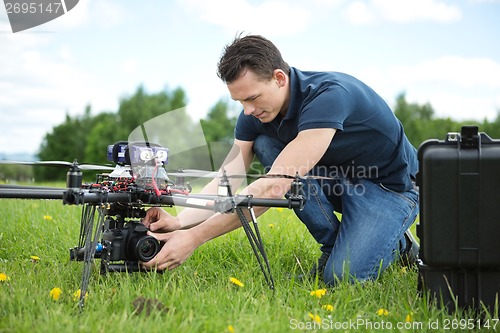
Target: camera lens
<point>146,248</point>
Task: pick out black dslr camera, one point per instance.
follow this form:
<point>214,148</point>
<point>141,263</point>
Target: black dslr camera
<point>130,243</point>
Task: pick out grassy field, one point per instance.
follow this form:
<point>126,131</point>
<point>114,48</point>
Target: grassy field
<point>35,236</point>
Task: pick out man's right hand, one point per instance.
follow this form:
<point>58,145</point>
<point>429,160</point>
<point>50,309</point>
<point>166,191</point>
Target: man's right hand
<point>158,220</point>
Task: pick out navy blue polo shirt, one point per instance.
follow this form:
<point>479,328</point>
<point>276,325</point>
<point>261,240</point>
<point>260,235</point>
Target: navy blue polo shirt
<point>369,142</point>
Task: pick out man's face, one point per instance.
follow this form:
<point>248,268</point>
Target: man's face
<point>263,99</point>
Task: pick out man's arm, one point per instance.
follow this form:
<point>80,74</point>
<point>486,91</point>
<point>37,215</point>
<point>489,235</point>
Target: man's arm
<point>237,162</point>
<point>299,156</point>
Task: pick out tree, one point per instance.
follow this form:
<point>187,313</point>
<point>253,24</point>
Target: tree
<point>141,107</point>
<point>419,123</point>
<point>491,128</point>
<point>86,137</point>
<point>218,128</point>
<point>102,134</point>
<point>219,125</point>
<point>66,142</point>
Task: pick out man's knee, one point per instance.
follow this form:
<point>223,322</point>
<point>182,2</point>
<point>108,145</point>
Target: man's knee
<point>346,271</point>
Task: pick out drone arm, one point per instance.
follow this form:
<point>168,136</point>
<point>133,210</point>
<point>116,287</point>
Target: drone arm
<point>191,217</point>
<point>220,224</point>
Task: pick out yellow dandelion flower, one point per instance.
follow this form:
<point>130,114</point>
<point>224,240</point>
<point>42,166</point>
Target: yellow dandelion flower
<point>47,217</point>
<point>55,293</point>
<point>327,307</point>
<point>35,258</point>
<point>77,294</point>
<point>315,318</point>
<point>4,277</point>
<point>271,226</point>
<point>409,318</point>
<point>230,328</point>
<point>279,209</point>
<point>318,293</point>
<point>382,312</point>
<point>237,282</point>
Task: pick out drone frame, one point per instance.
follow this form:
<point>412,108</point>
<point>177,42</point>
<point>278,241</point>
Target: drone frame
<point>102,207</point>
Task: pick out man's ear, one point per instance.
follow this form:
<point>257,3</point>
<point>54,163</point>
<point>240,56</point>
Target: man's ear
<point>280,77</point>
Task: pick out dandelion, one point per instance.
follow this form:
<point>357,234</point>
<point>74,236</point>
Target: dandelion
<point>271,226</point>
<point>35,259</point>
<point>235,281</point>
<point>47,217</point>
<point>327,307</point>
<point>279,209</point>
<point>230,328</point>
<point>318,293</point>
<point>382,312</point>
<point>4,277</point>
<point>77,294</point>
<point>409,318</point>
<point>315,318</point>
<point>55,293</point>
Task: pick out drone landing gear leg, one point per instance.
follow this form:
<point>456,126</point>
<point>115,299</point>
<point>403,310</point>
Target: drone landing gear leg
<point>89,245</point>
<point>256,243</point>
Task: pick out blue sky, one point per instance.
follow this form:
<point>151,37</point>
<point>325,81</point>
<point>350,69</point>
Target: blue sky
<point>444,52</point>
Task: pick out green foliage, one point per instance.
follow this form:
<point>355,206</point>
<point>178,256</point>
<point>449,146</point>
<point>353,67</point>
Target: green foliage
<point>86,137</point>
<point>102,134</point>
<point>66,142</point>
<point>218,129</point>
<point>142,107</point>
<point>9,172</point>
<point>219,125</point>
<point>420,124</point>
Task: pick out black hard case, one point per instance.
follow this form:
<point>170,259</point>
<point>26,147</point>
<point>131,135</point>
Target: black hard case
<point>455,288</point>
<point>459,184</point>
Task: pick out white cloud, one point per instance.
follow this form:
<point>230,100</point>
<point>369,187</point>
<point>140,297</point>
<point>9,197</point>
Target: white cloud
<point>129,66</point>
<point>40,80</point>
<point>358,13</point>
<point>484,1</point>
<point>402,11</point>
<point>78,16</point>
<point>102,14</point>
<point>38,88</point>
<point>273,18</point>
<point>456,87</point>
<point>453,70</point>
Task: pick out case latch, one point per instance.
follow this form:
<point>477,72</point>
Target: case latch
<point>469,137</point>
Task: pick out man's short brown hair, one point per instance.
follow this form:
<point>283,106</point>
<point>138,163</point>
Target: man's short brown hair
<point>252,52</point>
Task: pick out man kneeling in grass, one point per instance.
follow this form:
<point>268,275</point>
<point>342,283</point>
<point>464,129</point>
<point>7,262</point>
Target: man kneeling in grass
<point>311,123</point>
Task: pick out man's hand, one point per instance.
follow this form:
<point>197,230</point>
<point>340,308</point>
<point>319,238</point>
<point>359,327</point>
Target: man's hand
<point>158,220</point>
<point>179,245</point>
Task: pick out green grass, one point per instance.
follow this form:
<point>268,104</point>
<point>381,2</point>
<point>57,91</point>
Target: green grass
<point>196,297</point>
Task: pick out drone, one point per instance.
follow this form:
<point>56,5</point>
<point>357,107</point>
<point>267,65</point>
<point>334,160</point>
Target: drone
<point>113,205</point>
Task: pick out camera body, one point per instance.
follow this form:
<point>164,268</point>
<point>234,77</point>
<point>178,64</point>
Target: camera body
<point>130,243</point>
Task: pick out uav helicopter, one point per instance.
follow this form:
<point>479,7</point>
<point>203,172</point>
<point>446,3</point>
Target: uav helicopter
<point>112,206</point>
